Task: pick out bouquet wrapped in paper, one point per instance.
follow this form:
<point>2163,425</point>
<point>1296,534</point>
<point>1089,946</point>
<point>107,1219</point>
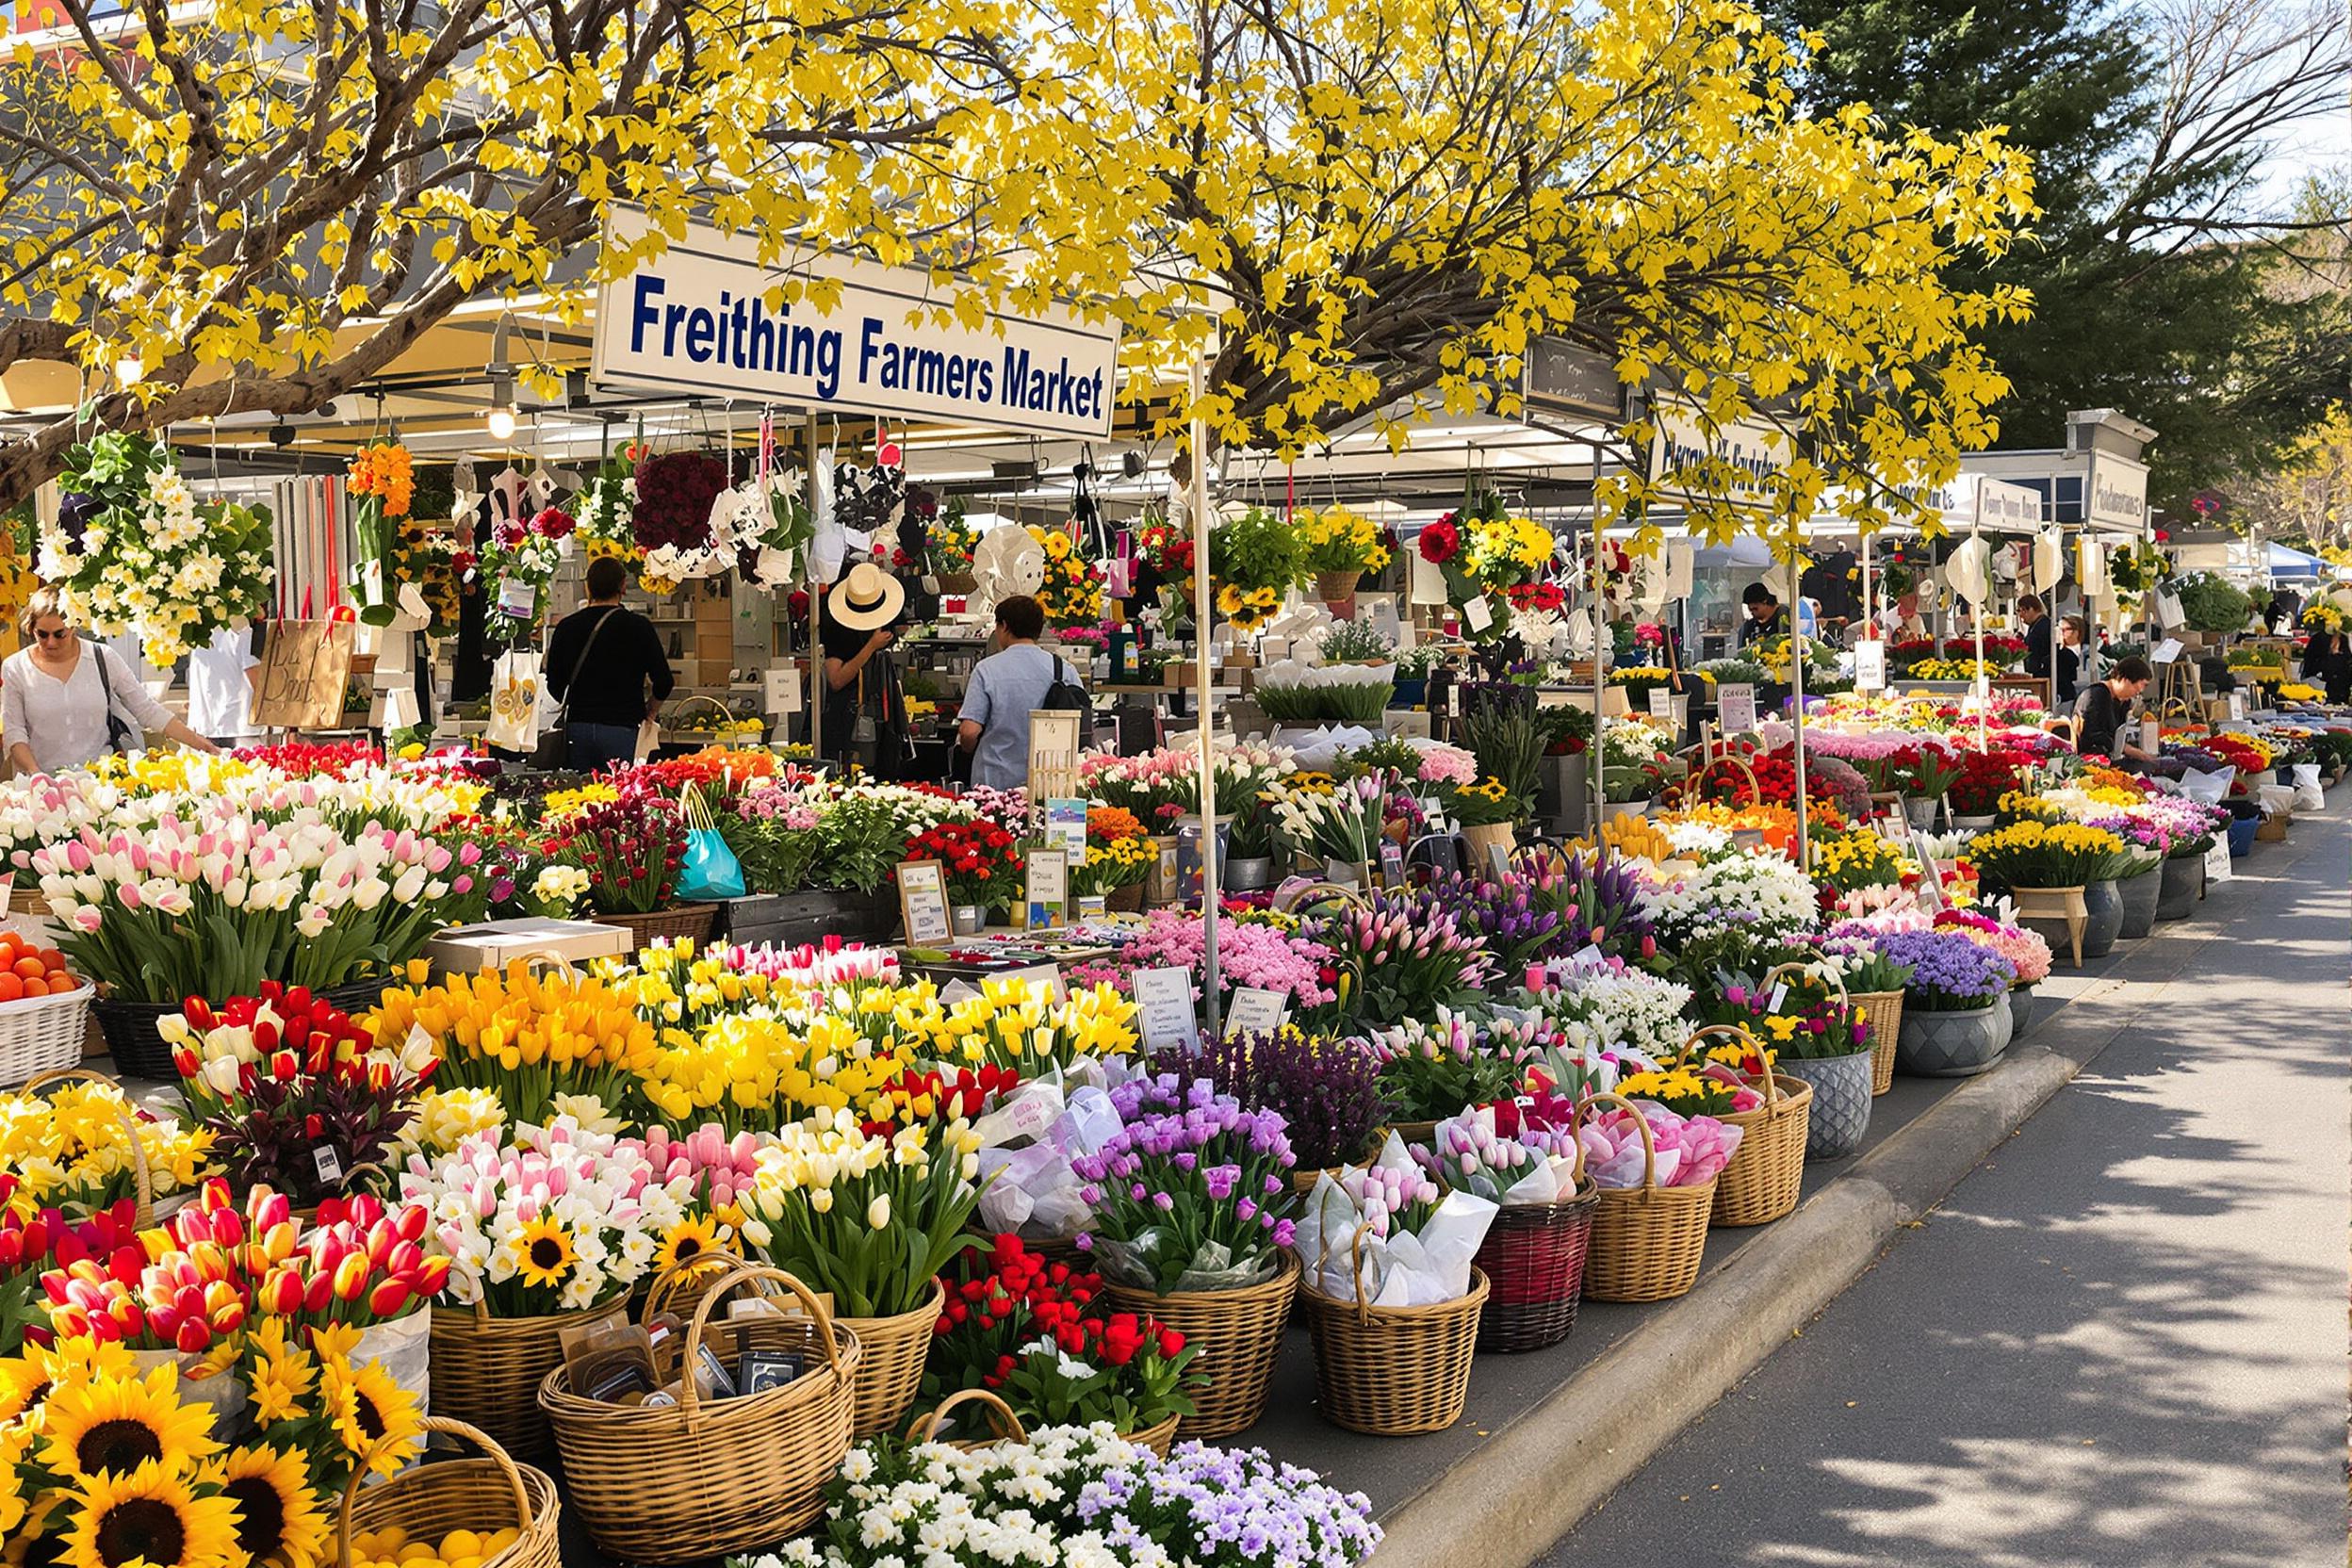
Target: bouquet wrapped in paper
<point>1029,1183</point>
<point>1690,1150</point>
<point>1391,1229</point>
<point>1530,1164</point>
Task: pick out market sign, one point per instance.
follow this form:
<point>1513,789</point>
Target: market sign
<point>1678,441</point>
<point>706,317</point>
<point>2117,493</point>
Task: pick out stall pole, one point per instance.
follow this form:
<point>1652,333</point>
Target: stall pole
<point>1600,679</point>
<point>1869,606</point>
<point>816,689</point>
<point>1209,868</point>
<point>1979,684</point>
<point>1796,692</point>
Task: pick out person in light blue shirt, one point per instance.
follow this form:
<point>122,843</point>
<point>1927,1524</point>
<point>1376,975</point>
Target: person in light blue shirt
<point>1005,688</point>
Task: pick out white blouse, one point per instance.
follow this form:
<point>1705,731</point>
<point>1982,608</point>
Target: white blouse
<point>65,721</point>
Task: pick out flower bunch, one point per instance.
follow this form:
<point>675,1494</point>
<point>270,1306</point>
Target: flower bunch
<point>1071,592</point>
<point>1158,786</point>
<point>678,984</point>
<point>1403,956</point>
<point>1949,971</point>
<point>1438,1067</point>
<point>1689,1090</point>
<point>1844,862</point>
<point>557,1219</point>
<point>712,1173</point>
<point>763,1070</point>
<point>939,1094</point>
<point>1016,1025</point>
<point>1603,1006</point>
<point>1690,1150</point>
<point>1762,897</point>
<point>875,1218</point>
<point>1190,1193</point>
<point>1799,1017</point>
<point>630,847</point>
<point>675,492</point>
<point>1118,852</point>
<point>1000,1295</point>
<point>524,1037</point>
<point>1335,822</point>
<point>1338,540</point>
<point>2046,854</point>
<point>1300,966</point>
<point>2027,952</point>
<point>1469,1154</point>
<point>522,552</point>
<point>1326,1089</point>
<point>297,1095</point>
<point>1293,692</point>
<point>1254,558</point>
<point>982,863</point>
<point>1984,777</point>
<point>69,1147</point>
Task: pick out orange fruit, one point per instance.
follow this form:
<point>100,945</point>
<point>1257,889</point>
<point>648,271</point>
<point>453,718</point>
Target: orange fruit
<point>51,959</point>
<point>36,987</point>
<point>11,988</point>
<point>30,969</point>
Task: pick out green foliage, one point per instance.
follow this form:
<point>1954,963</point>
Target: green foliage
<point>2210,603</point>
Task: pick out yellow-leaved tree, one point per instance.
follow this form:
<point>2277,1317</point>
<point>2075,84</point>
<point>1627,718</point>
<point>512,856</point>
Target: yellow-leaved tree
<point>1359,207</point>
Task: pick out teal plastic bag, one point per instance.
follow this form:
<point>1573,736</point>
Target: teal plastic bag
<point>710,869</point>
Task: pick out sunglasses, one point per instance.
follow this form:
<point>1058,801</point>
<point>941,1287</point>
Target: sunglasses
<point>64,636</point>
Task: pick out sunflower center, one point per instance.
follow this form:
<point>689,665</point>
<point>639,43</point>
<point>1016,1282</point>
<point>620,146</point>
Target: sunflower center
<point>689,1246</point>
<point>370,1418</point>
<point>547,1253</point>
<point>116,1446</point>
<point>139,1527</point>
<point>260,1516</point>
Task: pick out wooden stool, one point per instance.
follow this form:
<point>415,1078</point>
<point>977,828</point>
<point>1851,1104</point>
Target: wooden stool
<point>2055,904</point>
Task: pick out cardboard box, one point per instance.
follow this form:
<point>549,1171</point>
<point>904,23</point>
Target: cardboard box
<point>471,949</point>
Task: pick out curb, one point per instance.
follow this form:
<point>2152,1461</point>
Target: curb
<point>1512,1501</point>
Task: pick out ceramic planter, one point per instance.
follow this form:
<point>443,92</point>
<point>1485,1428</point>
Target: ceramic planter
<point>1247,874</point>
<point>2140,895</point>
<point>1954,1044</point>
<point>1920,812</point>
<point>1972,825</point>
<point>1842,1101</point>
<point>2182,879</point>
<point>2020,1011</point>
<point>2106,923</point>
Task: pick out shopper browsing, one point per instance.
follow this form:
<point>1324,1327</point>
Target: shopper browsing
<point>1005,688</point>
<point>2037,635</point>
<point>1764,617</point>
<point>2105,709</point>
<point>606,666</point>
<point>65,702</point>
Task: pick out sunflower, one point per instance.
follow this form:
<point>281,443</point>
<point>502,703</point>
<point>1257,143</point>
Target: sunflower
<point>40,1544</point>
<point>283,1373</point>
<point>278,1517</point>
<point>15,1443</point>
<point>689,1245</point>
<point>150,1516</point>
<point>27,1379</point>
<point>369,1412</point>
<point>543,1252</point>
<point>113,1425</point>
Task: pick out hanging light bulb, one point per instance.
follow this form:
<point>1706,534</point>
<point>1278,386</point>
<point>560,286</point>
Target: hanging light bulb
<point>501,416</point>
<point>502,423</point>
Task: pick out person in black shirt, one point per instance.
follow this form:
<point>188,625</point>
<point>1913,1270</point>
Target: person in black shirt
<point>2100,711</point>
<point>2074,632</point>
<point>1764,617</point>
<point>2036,619</point>
<point>605,684</point>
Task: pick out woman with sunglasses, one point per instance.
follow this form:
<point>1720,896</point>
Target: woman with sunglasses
<point>65,702</point>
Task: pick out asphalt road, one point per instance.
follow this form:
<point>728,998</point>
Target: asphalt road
<point>2120,1342</point>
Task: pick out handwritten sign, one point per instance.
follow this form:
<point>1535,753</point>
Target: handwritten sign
<point>1255,1010</point>
<point>1661,703</point>
<point>304,673</point>
<point>1735,705</point>
<point>1163,1000</point>
<point>1478,614</point>
<point>922,902</point>
<point>2218,861</point>
<point>1870,665</point>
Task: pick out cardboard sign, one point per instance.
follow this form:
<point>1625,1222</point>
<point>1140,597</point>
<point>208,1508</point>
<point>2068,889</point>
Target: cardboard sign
<point>1048,896</point>
<point>1066,825</point>
<point>304,673</point>
<point>1256,1009</point>
<point>1870,665</point>
<point>2217,861</point>
<point>1661,703</point>
<point>782,689</point>
<point>1735,705</point>
<point>1054,738</point>
<point>1164,1007</point>
<point>922,902</point>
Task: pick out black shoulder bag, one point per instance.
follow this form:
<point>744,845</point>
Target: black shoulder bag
<point>119,736</point>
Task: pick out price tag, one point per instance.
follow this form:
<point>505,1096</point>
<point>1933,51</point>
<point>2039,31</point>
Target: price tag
<point>1735,706</point>
<point>1049,889</point>
<point>329,1165</point>
<point>1478,614</point>
<point>1661,703</point>
<point>1255,1010</point>
<point>1780,995</point>
<point>518,598</point>
<point>2152,737</point>
<point>1392,866</point>
<point>1453,699</point>
<point>1163,1000</point>
<point>782,685</point>
<point>2237,705</point>
<point>922,902</point>
<point>1870,665</point>
<point>2218,861</point>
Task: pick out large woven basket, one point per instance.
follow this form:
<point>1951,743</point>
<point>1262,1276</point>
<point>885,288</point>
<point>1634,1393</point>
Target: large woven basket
<point>889,1373</point>
<point>429,1501</point>
<point>142,1178</point>
<point>689,922</point>
<point>1392,1371</point>
<point>1884,1012</point>
<point>1647,1241</point>
<point>1237,1332</point>
<point>42,1034</point>
<point>486,1370</point>
<point>1760,1184</point>
<point>673,1483</point>
<point>1534,1258</point>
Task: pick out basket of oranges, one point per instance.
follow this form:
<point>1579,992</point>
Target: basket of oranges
<point>44,1010</point>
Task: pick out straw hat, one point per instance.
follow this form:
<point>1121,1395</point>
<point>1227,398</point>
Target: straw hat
<point>868,599</point>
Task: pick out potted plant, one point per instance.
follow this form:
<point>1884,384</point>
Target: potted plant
<point>1488,816</point>
<point>2195,828</point>
<point>1413,674</point>
<point>1804,1015</point>
<point>1874,984</point>
<point>2025,950</point>
<point>1341,823</point>
<point>1339,547</point>
<point>1253,561</point>
<point>631,847</point>
<point>1295,693</point>
<point>2038,856</point>
<point>1118,858</point>
<point>1930,772</point>
<point>1190,1224</point>
<point>1440,1066</point>
<point>1954,1022</point>
<point>982,863</point>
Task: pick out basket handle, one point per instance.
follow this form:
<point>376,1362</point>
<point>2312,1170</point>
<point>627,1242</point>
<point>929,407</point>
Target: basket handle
<point>1755,791</point>
<point>679,1274</point>
<point>1824,971</point>
<point>1649,1143</point>
<point>531,957</point>
<point>142,1178</point>
<point>1323,892</point>
<point>474,1435</point>
<point>1000,1414</point>
<point>746,1273</point>
<point>1738,1032</point>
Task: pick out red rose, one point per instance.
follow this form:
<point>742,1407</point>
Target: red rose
<point>1441,541</point>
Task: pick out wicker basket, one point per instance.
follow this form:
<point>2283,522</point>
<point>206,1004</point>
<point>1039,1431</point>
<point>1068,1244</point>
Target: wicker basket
<point>44,1034</point>
<point>672,1483</point>
<point>139,1052</point>
<point>890,1374</point>
<point>1238,1333</point>
<point>1883,1009</point>
<point>1760,1184</point>
<point>486,1370</point>
<point>480,1495</point>
<point>689,922</point>
<point>1647,1241</point>
<point>1392,1371</point>
<point>1533,1259</point>
<point>1006,1428</point>
<point>142,1178</point>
